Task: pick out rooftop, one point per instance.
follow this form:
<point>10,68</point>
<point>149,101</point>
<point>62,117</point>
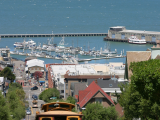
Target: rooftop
<point>140,32</point>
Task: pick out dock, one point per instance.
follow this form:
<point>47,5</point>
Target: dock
<point>123,40</point>
<point>82,60</point>
<point>51,35</point>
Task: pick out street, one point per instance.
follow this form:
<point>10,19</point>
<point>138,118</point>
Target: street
<point>29,94</point>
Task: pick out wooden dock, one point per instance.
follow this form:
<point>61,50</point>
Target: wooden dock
<point>51,35</point>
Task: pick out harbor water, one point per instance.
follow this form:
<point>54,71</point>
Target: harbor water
<point>77,16</point>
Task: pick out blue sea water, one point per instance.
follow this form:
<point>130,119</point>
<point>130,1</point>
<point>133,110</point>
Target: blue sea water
<point>78,16</point>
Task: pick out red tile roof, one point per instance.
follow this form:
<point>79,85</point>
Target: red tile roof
<point>89,92</point>
<point>1,68</point>
<point>82,94</point>
<point>119,110</point>
<point>76,96</point>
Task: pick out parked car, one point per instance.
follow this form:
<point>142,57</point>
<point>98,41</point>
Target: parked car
<point>35,97</point>
<point>34,88</point>
<point>28,112</point>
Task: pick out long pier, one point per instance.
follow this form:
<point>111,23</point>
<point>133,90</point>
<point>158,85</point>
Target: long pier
<point>51,35</point>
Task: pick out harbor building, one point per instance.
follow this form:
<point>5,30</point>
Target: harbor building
<point>120,33</point>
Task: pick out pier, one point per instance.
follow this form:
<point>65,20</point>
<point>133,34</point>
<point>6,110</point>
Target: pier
<point>121,34</point>
<point>51,35</point>
<point>123,40</point>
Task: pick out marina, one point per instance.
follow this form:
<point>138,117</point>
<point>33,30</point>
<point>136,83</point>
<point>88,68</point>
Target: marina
<point>62,52</point>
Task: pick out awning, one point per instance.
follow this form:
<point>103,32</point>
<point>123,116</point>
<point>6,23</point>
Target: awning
<point>41,81</point>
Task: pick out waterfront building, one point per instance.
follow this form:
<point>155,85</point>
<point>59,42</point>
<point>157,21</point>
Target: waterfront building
<point>120,32</point>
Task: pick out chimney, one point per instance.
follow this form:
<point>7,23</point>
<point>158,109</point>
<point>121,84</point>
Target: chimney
<point>96,81</point>
<point>158,43</point>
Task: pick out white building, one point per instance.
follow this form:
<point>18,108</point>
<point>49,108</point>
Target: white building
<point>58,71</point>
<point>34,65</point>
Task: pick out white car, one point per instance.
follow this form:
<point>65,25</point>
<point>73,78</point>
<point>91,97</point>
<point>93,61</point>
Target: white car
<point>28,112</point>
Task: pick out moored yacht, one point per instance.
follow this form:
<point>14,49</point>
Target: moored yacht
<point>135,40</point>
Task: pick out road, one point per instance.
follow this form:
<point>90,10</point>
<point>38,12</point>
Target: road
<point>29,94</point>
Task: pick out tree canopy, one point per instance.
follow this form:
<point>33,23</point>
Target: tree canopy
<point>47,94</point>
<point>16,101</point>
<point>140,98</point>
<point>95,111</point>
<point>4,111</point>
<point>7,73</point>
<point>71,100</point>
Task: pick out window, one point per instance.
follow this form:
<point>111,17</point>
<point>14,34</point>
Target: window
<point>62,91</point>
<point>84,80</point>
<point>98,100</point>
<point>72,118</point>
<point>39,68</point>
<point>99,72</point>
<point>46,118</point>
<point>110,85</point>
<point>66,86</point>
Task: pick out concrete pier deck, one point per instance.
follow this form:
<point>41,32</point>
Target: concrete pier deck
<point>51,35</point>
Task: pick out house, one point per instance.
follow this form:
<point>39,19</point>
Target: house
<point>93,93</point>
<point>1,69</point>
<point>2,84</point>
<point>72,79</point>
<point>109,86</point>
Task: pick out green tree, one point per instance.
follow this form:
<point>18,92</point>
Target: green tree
<point>16,106</point>
<point>140,98</point>
<point>71,100</point>
<point>4,111</point>
<point>7,73</point>
<point>47,94</point>
<point>95,111</point>
<point>16,101</point>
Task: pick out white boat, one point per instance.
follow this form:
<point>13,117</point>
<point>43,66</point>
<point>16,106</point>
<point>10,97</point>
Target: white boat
<point>62,44</point>
<point>39,47</point>
<point>135,40</point>
<point>51,48</point>
<point>14,52</point>
<point>18,45</point>
<point>24,44</point>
